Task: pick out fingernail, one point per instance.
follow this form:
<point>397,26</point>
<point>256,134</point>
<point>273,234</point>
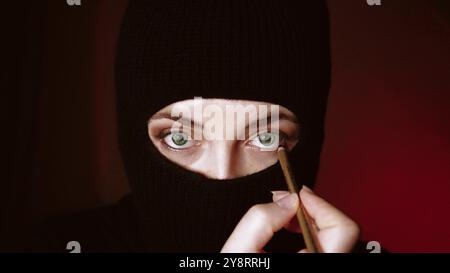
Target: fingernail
<point>279,194</point>
<point>306,188</point>
<point>287,202</point>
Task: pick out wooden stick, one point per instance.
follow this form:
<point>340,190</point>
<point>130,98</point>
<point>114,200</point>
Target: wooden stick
<point>303,218</point>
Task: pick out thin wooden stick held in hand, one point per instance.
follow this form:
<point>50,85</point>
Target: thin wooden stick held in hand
<point>305,222</point>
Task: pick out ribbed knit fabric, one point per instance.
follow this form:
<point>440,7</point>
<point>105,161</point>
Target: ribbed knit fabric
<point>272,51</point>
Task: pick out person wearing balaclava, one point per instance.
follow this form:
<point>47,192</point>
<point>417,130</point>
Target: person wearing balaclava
<point>176,50</point>
<point>169,51</point>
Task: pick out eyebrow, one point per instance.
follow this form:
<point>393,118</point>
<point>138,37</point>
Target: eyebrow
<point>175,118</point>
<point>282,116</point>
<point>268,118</point>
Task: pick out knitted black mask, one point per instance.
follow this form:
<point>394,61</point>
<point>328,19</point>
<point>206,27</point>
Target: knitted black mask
<point>271,51</point>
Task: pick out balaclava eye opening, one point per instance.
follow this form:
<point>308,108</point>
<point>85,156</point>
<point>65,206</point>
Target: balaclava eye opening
<point>169,51</point>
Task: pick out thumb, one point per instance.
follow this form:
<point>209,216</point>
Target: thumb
<point>336,231</point>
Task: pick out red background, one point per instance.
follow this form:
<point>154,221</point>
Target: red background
<point>386,160</point>
<point>386,156</point>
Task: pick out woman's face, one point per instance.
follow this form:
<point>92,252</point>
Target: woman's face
<point>223,139</point>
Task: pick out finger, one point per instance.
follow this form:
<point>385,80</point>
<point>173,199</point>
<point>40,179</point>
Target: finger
<point>293,224</point>
<point>337,232</point>
<point>277,195</point>
<point>259,224</point>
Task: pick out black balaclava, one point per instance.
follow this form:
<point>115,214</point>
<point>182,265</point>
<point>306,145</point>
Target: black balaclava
<point>271,51</point>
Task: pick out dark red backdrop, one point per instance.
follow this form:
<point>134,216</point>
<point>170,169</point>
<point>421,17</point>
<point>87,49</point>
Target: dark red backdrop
<point>387,156</point>
<point>386,159</point>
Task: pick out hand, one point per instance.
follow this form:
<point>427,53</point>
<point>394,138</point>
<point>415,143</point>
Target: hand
<point>336,232</point>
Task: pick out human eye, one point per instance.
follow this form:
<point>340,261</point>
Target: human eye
<point>178,140</point>
<point>267,141</point>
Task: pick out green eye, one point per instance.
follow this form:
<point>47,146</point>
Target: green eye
<point>179,139</point>
<point>266,139</point>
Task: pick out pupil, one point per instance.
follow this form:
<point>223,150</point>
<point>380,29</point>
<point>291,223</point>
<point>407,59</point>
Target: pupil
<point>179,139</point>
<point>265,139</point>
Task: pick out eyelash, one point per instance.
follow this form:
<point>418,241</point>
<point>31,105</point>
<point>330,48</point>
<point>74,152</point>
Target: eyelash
<point>283,138</point>
<point>167,132</point>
